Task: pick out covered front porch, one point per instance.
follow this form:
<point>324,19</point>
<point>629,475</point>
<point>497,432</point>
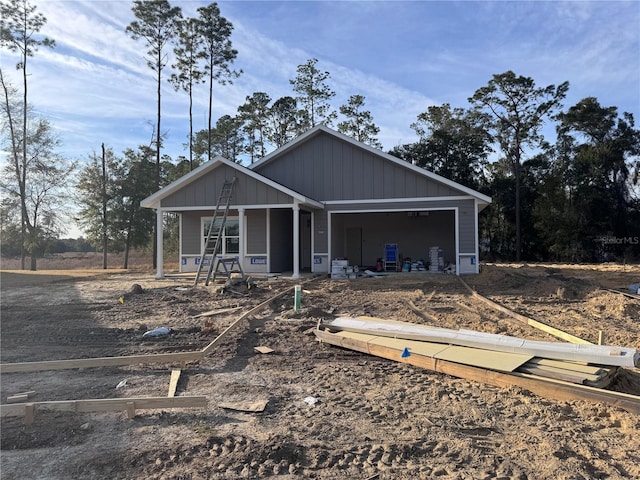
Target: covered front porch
<point>264,240</point>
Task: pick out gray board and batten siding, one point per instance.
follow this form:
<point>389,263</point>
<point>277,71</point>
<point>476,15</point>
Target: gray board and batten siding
<point>327,168</point>
<point>350,177</point>
<point>331,179</point>
<point>203,191</point>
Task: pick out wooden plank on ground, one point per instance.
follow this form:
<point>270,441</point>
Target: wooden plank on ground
<point>173,382</point>
<point>180,357</point>
<point>427,316</point>
<point>560,374</point>
<point>206,350</point>
<point>219,311</point>
<point>20,397</point>
<point>544,387</point>
<point>246,406</point>
<point>262,349</point>
<point>578,367</point>
<point>626,294</point>
<point>104,405</point>
<point>526,320</point>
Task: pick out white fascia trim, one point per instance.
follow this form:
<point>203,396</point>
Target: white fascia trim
<point>399,200</point>
<point>374,151</point>
<point>386,210</point>
<point>209,208</point>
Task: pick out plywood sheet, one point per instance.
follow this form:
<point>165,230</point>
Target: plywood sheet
<point>500,361</point>
<point>263,349</point>
<point>418,348</point>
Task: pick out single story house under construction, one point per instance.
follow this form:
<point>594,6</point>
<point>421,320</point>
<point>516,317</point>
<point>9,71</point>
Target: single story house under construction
<point>320,197</point>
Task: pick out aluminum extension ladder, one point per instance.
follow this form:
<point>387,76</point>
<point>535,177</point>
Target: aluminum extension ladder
<point>210,252</point>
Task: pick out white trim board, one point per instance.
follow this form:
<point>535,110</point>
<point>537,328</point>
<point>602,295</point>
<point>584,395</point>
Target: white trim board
<point>399,200</point>
<point>388,210</point>
<point>209,208</point>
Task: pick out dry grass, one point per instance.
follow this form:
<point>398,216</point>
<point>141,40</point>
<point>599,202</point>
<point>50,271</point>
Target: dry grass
<point>72,265</point>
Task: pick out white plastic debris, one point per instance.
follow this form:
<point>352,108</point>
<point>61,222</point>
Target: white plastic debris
<point>122,384</point>
<point>157,332</point>
<point>311,400</point>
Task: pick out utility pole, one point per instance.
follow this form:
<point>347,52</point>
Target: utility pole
<point>104,209</point>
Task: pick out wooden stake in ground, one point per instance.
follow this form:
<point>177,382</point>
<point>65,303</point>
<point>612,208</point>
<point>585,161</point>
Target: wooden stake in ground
<point>173,382</point>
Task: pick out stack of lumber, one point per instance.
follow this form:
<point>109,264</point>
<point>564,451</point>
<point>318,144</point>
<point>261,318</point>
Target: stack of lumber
<point>582,374</point>
<point>593,365</point>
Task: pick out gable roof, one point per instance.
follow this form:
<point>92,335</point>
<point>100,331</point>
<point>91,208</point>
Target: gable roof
<point>154,201</point>
<point>318,129</point>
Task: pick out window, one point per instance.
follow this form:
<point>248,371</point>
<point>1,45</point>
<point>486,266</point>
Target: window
<point>230,241</point>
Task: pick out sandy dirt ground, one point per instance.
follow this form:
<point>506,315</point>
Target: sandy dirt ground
<point>372,418</point>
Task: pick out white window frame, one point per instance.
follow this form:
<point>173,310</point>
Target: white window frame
<point>223,252</point>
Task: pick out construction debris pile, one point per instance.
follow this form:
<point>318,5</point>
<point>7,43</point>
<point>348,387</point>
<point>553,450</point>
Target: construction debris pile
<point>593,365</point>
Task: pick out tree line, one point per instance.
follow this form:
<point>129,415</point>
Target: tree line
<point>571,198</point>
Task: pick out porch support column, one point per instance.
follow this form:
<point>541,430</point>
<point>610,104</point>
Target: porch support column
<point>160,253</point>
<point>296,241</point>
<point>241,237</point>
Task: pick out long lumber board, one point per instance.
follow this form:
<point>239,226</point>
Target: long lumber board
<point>526,320</point>
<point>179,357</point>
<point>566,375</point>
<point>545,387</point>
<point>626,294</point>
<point>206,350</point>
<point>220,311</point>
<point>130,405</point>
<point>598,354</point>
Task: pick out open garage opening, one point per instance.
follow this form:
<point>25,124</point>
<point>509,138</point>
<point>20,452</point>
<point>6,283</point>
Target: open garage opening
<point>361,237</point>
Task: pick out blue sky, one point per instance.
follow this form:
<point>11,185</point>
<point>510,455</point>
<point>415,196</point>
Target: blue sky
<point>402,56</point>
